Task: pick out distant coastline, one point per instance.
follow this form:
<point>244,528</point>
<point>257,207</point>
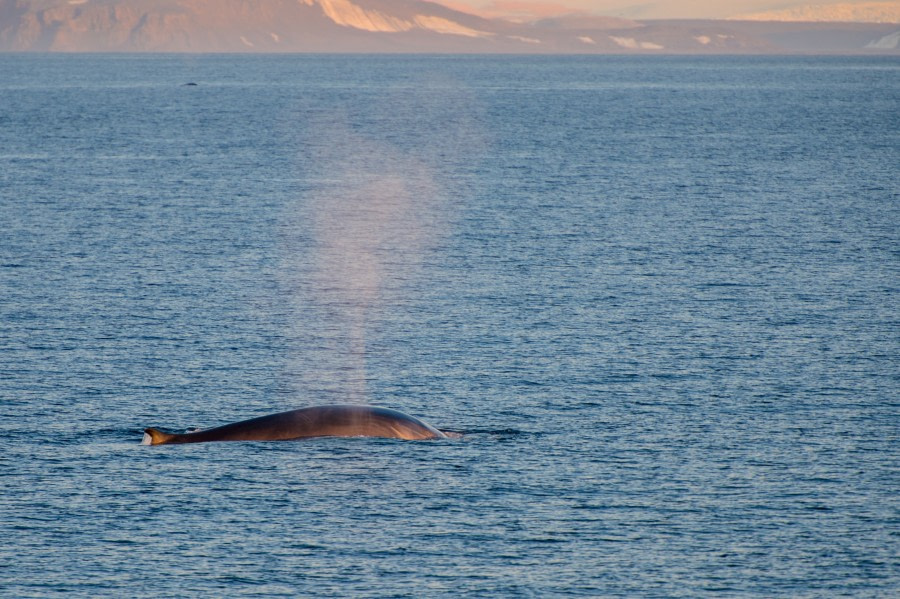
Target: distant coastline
<point>390,26</point>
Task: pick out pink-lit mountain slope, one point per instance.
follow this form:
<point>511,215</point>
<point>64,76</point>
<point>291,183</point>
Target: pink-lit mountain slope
<point>392,26</point>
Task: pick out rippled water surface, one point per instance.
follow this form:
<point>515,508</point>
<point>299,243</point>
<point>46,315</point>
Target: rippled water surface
<point>659,297</point>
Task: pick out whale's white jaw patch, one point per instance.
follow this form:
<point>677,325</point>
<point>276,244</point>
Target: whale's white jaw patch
<point>147,440</point>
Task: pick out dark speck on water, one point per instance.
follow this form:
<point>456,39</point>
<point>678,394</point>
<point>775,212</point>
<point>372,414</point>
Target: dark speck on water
<point>658,295</point>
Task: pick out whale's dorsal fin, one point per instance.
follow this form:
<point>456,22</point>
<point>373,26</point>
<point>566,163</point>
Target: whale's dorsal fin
<point>153,436</point>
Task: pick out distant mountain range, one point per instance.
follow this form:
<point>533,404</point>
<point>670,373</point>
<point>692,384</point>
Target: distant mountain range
<point>397,26</point>
<point>867,12</point>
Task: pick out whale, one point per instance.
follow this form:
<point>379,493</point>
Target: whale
<point>316,421</point>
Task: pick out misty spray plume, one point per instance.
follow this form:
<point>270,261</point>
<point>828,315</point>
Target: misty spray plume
<point>359,233</point>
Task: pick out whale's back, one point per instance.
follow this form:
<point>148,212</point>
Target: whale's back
<point>318,421</point>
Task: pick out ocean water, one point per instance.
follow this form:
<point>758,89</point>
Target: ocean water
<point>657,295</point>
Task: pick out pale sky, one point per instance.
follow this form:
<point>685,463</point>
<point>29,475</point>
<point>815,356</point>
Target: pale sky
<point>640,9</point>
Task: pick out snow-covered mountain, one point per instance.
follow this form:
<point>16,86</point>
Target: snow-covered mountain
<point>390,26</point>
<point>231,25</point>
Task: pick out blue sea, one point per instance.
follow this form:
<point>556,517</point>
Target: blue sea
<point>658,296</point>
